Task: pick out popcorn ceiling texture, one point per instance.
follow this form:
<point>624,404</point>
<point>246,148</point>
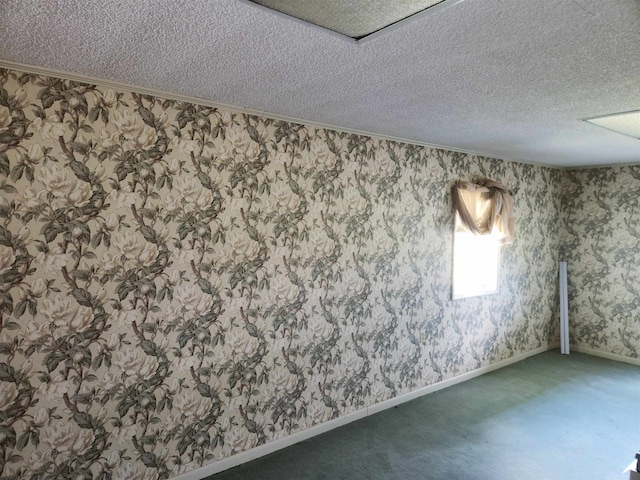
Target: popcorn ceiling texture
<point>509,79</point>
<point>180,284</point>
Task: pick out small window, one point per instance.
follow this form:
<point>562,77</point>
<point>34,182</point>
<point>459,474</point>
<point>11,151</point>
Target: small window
<point>476,261</point>
<point>483,222</point>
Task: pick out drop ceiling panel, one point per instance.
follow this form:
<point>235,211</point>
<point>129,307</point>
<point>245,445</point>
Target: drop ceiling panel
<point>353,18</point>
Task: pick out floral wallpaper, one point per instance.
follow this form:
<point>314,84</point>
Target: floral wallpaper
<point>601,239</point>
<point>181,283</point>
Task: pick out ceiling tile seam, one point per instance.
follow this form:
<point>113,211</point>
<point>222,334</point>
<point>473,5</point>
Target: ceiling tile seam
<point>371,36</point>
<point>299,21</point>
<point>411,18</point>
<point>236,109</point>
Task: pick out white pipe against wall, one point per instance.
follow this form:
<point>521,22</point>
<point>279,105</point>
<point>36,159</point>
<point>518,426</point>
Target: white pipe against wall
<point>564,310</point>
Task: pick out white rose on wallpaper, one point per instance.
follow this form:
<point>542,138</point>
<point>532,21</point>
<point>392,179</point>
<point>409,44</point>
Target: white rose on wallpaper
<point>147,137</point>
<point>184,144</point>
<point>280,292</point>
<point>35,153</point>
<point>36,330</point>
<point>192,298</point>
<point>41,417</point>
<point>123,433</point>
<point>352,362</point>
<point>240,246</point>
<point>282,198</point>
<point>165,119</point>
<point>237,440</point>
<point>68,439</point>
<point>5,116</point>
<point>7,257</point>
<point>353,203</point>
<point>123,198</point>
<point>189,189</point>
<point>79,193</point>
<point>108,261</point>
<point>383,163</point>
<point>65,313</point>
<point>242,143</point>
<point>134,363</point>
<point>111,222</point>
<point>147,254</point>
<point>589,263</point>
<point>62,184</point>
<point>383,243</point>
<point>127,123</point>
<point>380,392</point>
<point>112,341</point>
<point>318,412</point>
<point>184,255</point>
<point>183,364</point>
<point>190,404</point>
<point>37,459</point>
<point>225,152</point>
<point>27,367</point>
<point>55,388</point>
<point>592,210</point>
<point>32,198</point>
<point>49,128</point>
<point>172,166</point>
<point>241,343</point>
<point>322,155</point>
<point>132,245</point>
<point>56,180</point>
<point>380,320</point>
<point>319,244</point>
<point>224,118</point>
<point>283,380</point>
<point>107,139</point>
<point>127,243</point>
<point>320,328</point>
<point>8,393</point>
<point>110,97</point>
<point>112,458</point>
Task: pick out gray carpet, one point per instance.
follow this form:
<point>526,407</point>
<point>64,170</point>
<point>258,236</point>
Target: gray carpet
<point>548,417</point>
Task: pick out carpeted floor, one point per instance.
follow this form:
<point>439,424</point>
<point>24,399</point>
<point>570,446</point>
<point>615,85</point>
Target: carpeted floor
<point>550,417</point>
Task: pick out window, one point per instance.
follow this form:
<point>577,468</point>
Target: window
<point>483,223</point>
<point>476,260</point>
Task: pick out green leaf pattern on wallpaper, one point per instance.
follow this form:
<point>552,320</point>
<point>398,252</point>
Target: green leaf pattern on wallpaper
<point>181,283</point>
<point>601,241</point>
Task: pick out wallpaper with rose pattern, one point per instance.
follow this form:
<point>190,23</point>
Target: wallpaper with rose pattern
<point>181,283</point>
<point>601,241</point>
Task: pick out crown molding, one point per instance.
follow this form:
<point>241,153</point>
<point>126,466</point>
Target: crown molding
<point>52,72</point>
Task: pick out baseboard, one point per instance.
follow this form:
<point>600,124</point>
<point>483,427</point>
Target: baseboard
<point>275,445</point>
<point>610,356</point>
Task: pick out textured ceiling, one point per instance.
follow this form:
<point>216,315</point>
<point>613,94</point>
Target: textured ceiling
<point>509,79</point>
<point>354,18</point>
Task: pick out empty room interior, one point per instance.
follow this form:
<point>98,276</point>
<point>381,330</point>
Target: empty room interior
<point>281,239</point>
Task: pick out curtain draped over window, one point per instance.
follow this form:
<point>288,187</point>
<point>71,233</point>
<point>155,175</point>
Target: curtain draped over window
<point>484,208</point>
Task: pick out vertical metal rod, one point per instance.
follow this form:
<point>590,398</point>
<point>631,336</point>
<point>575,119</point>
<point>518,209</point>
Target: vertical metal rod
<point>564,310</point>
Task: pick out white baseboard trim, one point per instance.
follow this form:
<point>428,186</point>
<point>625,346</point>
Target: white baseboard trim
<point>610,356</point>
<point>280,443</point>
